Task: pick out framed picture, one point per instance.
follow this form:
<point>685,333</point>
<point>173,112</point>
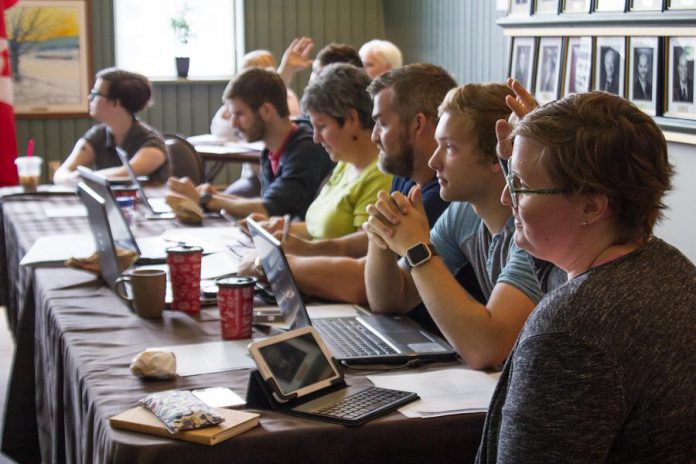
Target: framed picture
<point>576,6</point>
<point>643,73</point>
<point>681,52</point>
<point>50,57</point>
<point>542,7</point>
<point>522,60</point>
<point>520,7</point>
<point>681,4</point>
<point>610,65</point>
<point>577,71</point>
<point>610,5</point>
<point>548,75</point>
<point>646,5</point>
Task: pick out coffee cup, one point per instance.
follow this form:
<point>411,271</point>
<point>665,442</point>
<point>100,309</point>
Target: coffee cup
<point>29,170</point>
<point>235,299</point>
<point>147,291</point>
<point>185,274</point>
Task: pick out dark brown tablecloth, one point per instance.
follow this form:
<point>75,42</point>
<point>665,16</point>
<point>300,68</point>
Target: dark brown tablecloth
<point>83,341</point>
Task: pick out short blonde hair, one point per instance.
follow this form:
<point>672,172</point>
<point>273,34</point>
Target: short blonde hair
<point>384,50</point>
<point>597,142</point>
<point>482,105</point>
<point>259,59</point>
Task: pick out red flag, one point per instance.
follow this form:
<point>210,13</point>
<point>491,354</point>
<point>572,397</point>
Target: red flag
<point>8,135</point>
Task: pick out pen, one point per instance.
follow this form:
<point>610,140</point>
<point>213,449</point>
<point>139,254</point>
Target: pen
<point>286,226</point>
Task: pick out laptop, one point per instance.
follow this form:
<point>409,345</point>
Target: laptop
<point>157,207</point>
<point>300,372</point>
<point>364,338</point>
<point>150,252</point>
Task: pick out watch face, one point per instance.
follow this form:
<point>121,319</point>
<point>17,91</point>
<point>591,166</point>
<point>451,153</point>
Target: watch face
<point>418,254</point>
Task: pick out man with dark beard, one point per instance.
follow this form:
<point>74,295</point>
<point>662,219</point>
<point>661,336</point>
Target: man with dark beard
<point>405,114</point>
<point>292,165</point>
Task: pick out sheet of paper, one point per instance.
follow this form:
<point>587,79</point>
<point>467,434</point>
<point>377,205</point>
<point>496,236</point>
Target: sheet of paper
<point>55,249</point>
<point>331,310</point>
<point>65,211</point>
<point>442,392</point>
<point>205,139</point>
<point>206,358</point>
<point>212,239</point>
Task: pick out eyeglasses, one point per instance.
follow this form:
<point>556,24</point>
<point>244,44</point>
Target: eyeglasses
<point>95,93</point>
<point>514,191</point>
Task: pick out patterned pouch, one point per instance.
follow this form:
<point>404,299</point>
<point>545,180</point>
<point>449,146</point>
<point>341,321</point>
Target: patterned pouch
<point>180,410</point>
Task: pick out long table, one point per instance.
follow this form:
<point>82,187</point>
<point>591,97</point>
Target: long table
<point>74,345</point>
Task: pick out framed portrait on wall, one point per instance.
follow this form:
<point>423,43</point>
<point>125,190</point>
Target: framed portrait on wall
<point>610,65</point>
<point>543,7</point>
<point>681,52</point>
<point>576,6</point>
<point>519,7</point>
<point>577,70</point>
<point>522,60</point>
<point>610,5</point>
<point>643,73</point>
<point>548,70</point>
<point>681,4</point>
<point>646,5</point>
<point>49,55</point>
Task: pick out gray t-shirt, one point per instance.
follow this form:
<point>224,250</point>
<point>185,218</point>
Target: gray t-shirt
<point>138,136</point>
<point>604,369</point>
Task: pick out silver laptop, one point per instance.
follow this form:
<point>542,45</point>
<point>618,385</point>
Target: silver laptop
<point>363,338</point>
<point>122,235</point>
<point>158,208</point>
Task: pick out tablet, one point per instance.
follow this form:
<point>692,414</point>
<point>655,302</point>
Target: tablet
<point>295,364</point>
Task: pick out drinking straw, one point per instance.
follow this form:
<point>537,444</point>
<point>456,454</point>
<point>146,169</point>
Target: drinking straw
<point>30,147</point>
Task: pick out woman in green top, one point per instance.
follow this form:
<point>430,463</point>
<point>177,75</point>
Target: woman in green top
<point>340,110</point>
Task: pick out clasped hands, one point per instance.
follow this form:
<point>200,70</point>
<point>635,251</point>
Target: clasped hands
<point>184,187</point>
<point>397,222</point>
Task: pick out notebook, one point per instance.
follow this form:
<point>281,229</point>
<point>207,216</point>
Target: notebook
<point>158,208</point>
<point>364,338</point>
<point>302,376</point>
<point>150,251</point>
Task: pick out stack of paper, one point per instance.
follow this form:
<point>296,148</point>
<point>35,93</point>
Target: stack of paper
<point>442,392</point>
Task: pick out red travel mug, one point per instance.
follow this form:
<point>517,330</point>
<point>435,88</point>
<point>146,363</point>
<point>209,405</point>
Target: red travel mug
<point>185,275</point>
<point>235,300</point>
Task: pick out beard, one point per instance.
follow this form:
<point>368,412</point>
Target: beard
<point>398,164</point>
<point>255,132</point>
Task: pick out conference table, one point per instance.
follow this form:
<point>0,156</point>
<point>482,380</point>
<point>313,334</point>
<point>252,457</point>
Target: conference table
<point>74,343</point>
<point>215,152</point>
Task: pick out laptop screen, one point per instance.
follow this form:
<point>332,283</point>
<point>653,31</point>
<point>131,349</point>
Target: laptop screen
<point>120,232</point>
<point>279,276</point>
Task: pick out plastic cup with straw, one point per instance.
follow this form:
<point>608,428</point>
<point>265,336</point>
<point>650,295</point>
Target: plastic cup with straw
<point>29,168</point>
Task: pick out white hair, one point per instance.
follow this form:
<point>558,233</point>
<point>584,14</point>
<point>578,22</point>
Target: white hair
<point>383,49</point>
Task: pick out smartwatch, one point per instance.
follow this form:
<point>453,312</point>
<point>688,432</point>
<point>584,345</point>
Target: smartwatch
<point>419,254</point>
<point>204,200</point>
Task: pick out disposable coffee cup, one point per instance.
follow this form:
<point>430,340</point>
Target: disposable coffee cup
<point>185,275</point>
<point>147,291</point>
<point>29,170</point>
<point>235,300</point>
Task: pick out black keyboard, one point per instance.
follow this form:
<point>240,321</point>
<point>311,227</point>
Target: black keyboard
<point>351,338</point>
<point>367,403</point>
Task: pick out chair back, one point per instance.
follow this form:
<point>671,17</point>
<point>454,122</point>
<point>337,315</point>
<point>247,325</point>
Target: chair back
<point>184,159</point>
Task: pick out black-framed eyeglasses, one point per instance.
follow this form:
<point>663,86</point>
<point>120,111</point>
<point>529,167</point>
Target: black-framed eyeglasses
<point>511,180</point>
<point>95,93</point>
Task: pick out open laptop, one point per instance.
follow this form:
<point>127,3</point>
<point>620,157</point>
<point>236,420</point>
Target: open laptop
<point>362,338</point>
<point>157,207</point>
<point>121,233</point>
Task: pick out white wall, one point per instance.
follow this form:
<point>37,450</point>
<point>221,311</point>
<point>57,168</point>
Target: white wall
<point>679,225</point>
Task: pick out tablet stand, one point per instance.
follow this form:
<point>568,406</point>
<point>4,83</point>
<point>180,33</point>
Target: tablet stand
<point>260,394</point>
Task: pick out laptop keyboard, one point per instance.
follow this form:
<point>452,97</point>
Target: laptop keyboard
<point>363,403</point>
<point>351,338</point>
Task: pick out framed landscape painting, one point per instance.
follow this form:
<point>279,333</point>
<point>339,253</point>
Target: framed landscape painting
<point>49,57</point>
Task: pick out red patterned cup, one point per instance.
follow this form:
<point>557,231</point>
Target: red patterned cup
<point>235,300</point>
<point>185,275</point>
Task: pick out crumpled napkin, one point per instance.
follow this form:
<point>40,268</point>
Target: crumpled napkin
<point>154,363</point>
<point>126,258</point>
<point>185,209</point>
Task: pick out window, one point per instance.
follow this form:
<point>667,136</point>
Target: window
<point>145,41</point>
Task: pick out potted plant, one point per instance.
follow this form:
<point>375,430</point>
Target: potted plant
<point>183,34</point>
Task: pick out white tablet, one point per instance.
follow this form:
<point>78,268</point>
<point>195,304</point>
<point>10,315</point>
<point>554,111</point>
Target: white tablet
<point>295,363</point>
